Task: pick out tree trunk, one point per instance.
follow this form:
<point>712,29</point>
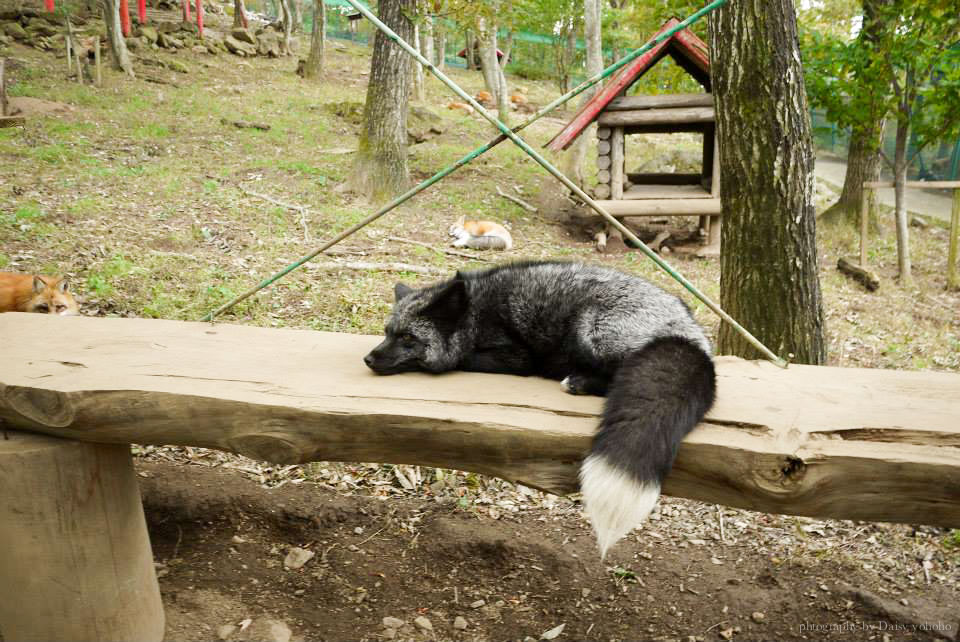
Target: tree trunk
<point>863,164</point>
<point>440,46</point>
<point>492,72</point>
<point>426,39</point>
<point>313,68</point>
<point>297,14</point>
<point>507,49</point>
<point>900,208</point>
<point>239,14</point>
<point>286,19</point>
<point>118,46</point>
<point>768,264</point>
<point>380,168</point>
<point>483,42</point>
<point>863,155</point>
<point>591,32</point>
<point>469,49</point>
<point>416,69</point>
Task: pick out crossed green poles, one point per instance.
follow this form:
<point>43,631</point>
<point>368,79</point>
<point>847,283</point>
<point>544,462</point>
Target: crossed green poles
<point>507,133</point>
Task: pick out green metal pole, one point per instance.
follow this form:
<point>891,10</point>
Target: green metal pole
<point>572,186</point>
<point>606,73</point>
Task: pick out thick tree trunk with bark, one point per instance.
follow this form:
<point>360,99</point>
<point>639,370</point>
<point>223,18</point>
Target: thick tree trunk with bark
<point>863,165</point>
<point>240,15</point>
<point>313,68</point>
<point>769,260</point>
<point>591,32</point>
<point>380,169</point>
<point>118,46</point>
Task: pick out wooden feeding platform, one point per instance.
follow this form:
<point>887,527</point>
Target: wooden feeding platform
<point>619,116</point>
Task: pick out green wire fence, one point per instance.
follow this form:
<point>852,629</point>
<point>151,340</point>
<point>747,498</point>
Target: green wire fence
<point>507,133</point>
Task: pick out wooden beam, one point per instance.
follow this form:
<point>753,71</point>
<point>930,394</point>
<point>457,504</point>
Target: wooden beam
<point>651,192</point>
<point>662,207</point>
<point>646,117</point>
<point>830,442</point>
<point>627,103</point>
<point>616,163</point>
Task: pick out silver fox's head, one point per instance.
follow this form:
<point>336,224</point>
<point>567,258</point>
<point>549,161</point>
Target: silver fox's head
<point>419,332</point>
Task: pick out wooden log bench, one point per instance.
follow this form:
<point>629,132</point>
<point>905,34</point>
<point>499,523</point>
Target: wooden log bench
<point>878,445</point>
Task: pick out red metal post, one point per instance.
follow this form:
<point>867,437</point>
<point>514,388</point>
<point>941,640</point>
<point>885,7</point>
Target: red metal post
<point>48,4</point>
<point>186,10</point>
<point>125,18</point>
<point>142,11</point>
<point>200,17</point>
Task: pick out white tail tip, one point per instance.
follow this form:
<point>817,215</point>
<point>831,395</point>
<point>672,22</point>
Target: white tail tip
<point>615,502</point>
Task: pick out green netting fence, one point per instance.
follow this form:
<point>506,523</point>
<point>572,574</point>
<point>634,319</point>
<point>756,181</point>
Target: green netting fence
<point>939,161</point>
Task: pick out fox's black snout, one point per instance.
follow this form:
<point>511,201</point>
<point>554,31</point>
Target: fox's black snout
<point>375,359</point>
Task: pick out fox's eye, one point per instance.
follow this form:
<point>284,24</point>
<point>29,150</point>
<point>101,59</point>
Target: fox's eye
<point>43,307</point>
<point>61,308</point>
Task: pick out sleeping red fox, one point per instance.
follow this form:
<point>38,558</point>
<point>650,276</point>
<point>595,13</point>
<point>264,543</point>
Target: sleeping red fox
<point>29,293</point>
<point>480,235</point>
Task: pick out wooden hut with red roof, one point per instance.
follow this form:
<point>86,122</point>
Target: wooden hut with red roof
<point>619,116</point>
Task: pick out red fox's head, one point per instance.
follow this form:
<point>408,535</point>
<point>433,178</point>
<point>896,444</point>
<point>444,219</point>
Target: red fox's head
<point>50,296</point>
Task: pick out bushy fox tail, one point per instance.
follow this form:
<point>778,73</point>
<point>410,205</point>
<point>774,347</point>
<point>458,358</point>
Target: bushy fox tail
<point>657,396</point>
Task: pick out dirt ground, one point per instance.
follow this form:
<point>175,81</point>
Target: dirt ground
<point>220,541</point>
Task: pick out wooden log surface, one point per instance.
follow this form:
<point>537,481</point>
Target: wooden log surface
<point>75,558</point>
<point>662,207</point>
<point>643,117</point>
<point>830,442</point>
<point>627,103</point>
<point>617,168</point>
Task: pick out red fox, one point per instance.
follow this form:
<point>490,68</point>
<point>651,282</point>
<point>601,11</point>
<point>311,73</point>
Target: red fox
<point>29,293</point>
<point>480,235</point>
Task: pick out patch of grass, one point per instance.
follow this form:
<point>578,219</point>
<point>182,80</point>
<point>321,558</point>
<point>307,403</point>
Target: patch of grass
<point>102,281</point>
<point>952,540</point>
<point>4,260</point>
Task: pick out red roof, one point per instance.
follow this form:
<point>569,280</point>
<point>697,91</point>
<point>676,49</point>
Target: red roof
<point>689,51</point>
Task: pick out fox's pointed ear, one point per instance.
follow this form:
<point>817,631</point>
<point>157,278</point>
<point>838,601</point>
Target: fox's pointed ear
<point>63,285</point>
<point>448,305</point>
<point>38,285</point>
<point>400,290</point>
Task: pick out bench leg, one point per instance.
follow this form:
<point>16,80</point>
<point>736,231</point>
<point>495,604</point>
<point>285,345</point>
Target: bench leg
<point>75,558</point>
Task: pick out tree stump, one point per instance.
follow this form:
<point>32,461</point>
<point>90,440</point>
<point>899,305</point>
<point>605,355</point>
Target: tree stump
<point>75,558</point>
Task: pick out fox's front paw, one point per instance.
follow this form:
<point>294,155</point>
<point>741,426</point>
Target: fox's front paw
<point>576,384</point>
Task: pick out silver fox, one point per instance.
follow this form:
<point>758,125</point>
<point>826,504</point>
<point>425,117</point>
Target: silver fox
<point>596,330</point>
